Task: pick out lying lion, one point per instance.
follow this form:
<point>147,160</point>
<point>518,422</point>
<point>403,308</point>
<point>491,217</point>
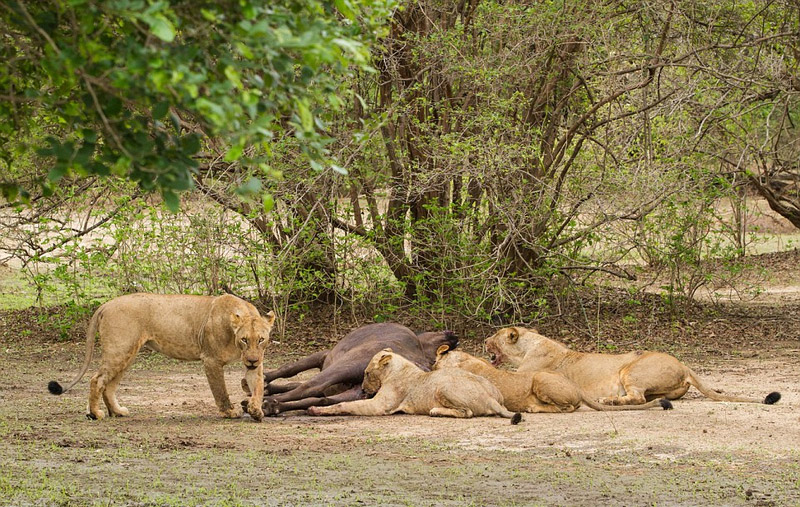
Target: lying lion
<point>613,379</point>
<point>215,330</point>
<point>533,391</point>
<point>401,386</point>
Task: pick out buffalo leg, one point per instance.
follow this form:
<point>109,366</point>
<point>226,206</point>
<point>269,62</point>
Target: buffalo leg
<point>272,388</point>
<point>282,388</point>
<point>292,369</point>
<point>352,394</point>
<point>351,374</point>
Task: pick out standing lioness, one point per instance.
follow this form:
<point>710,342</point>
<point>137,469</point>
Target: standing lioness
<point>215,330</point>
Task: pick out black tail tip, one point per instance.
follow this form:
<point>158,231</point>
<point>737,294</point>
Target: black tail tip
<point>516,418</point>
<point>666,404</point>
<point>772,398</point>
<point>55,388</point>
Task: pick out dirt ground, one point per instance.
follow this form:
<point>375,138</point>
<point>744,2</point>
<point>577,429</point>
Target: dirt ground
<point>175,450</point>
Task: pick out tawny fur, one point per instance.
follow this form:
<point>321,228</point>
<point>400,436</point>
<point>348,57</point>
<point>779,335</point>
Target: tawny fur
<point>531,391</point>
<point>401,386</point>
<point>613,379</point>
<point>215,330</point>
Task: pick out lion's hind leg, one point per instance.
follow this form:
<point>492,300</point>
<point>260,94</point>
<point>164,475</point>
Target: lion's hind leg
<point>110,393</point>
<point>110,398</point>
<point>656,375</point>
<point>456,402</point>
<point>460,413</point>
<point>539,407</point>
<point>106,381</point>
<point>553,393</point>
<point>449,403</point>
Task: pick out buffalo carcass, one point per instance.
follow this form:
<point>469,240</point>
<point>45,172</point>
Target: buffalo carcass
<point>342,367</point>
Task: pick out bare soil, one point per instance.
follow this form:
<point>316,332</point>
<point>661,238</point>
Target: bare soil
<point>175,450</point>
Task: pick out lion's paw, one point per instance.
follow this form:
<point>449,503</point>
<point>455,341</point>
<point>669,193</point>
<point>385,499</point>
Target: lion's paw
<point>255,412</point>
<point>121,412</point>
<point>232,413</point>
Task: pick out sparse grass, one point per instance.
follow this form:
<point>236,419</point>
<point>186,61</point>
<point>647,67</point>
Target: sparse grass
<point>15,292</point>
<point>174,450</point>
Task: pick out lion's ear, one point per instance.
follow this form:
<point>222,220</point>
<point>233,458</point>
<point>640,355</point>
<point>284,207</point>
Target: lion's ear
<point>269,318</point>
<point>442,350</point>
<point>513,336</point>
<point>236,319</point>
<point>384,360</point>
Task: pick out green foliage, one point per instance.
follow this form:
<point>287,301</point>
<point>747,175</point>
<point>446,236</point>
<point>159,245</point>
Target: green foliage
<point>496,153</point>
<point>143,89</point>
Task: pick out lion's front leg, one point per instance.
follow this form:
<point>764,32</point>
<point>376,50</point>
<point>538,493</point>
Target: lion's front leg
<point>255,382</point>
<point>372,406</point>
<point>216,380</point>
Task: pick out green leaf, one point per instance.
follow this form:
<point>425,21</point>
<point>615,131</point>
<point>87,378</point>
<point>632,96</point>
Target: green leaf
<point>346,9</point>
<point>234,153</point>
<point>339,169</point>
<point>268,202</point>
<point>161,26</point>
<point>191,143</point>
<point>306,118</point>
<point>171,200</point>
<point>89,135</point>
<point>176,121</point>
<point>160,110</point>
<point>252,186</point>
<point>233,76</point>
<point>9,190</point>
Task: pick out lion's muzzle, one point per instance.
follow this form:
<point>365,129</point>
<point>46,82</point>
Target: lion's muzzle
<point>250,364</point>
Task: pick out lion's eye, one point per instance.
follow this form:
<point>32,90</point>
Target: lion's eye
<point>244,340</point>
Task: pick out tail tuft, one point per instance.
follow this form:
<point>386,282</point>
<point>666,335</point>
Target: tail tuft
<point>666,404</point>
<point>772,398</point>
<point>55,388</point>
<point>516,418</point>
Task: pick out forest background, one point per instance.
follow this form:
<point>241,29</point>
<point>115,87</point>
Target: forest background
<point>621,174</point>
<point>468,162</point>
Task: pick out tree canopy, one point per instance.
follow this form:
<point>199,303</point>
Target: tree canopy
<point>148,90</point>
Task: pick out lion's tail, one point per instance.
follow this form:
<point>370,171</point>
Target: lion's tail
<point>770,399</point>
<point>662,402</point>
<point>53,386</point>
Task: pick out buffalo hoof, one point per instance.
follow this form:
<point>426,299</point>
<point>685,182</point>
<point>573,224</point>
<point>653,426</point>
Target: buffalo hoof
<point>270,408</point>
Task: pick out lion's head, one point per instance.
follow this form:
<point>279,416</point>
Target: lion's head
<point>252,335</point>
<point>513,344</point>
<point>432,341</point>
<point>446,358</point>
<point>378,368</point>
